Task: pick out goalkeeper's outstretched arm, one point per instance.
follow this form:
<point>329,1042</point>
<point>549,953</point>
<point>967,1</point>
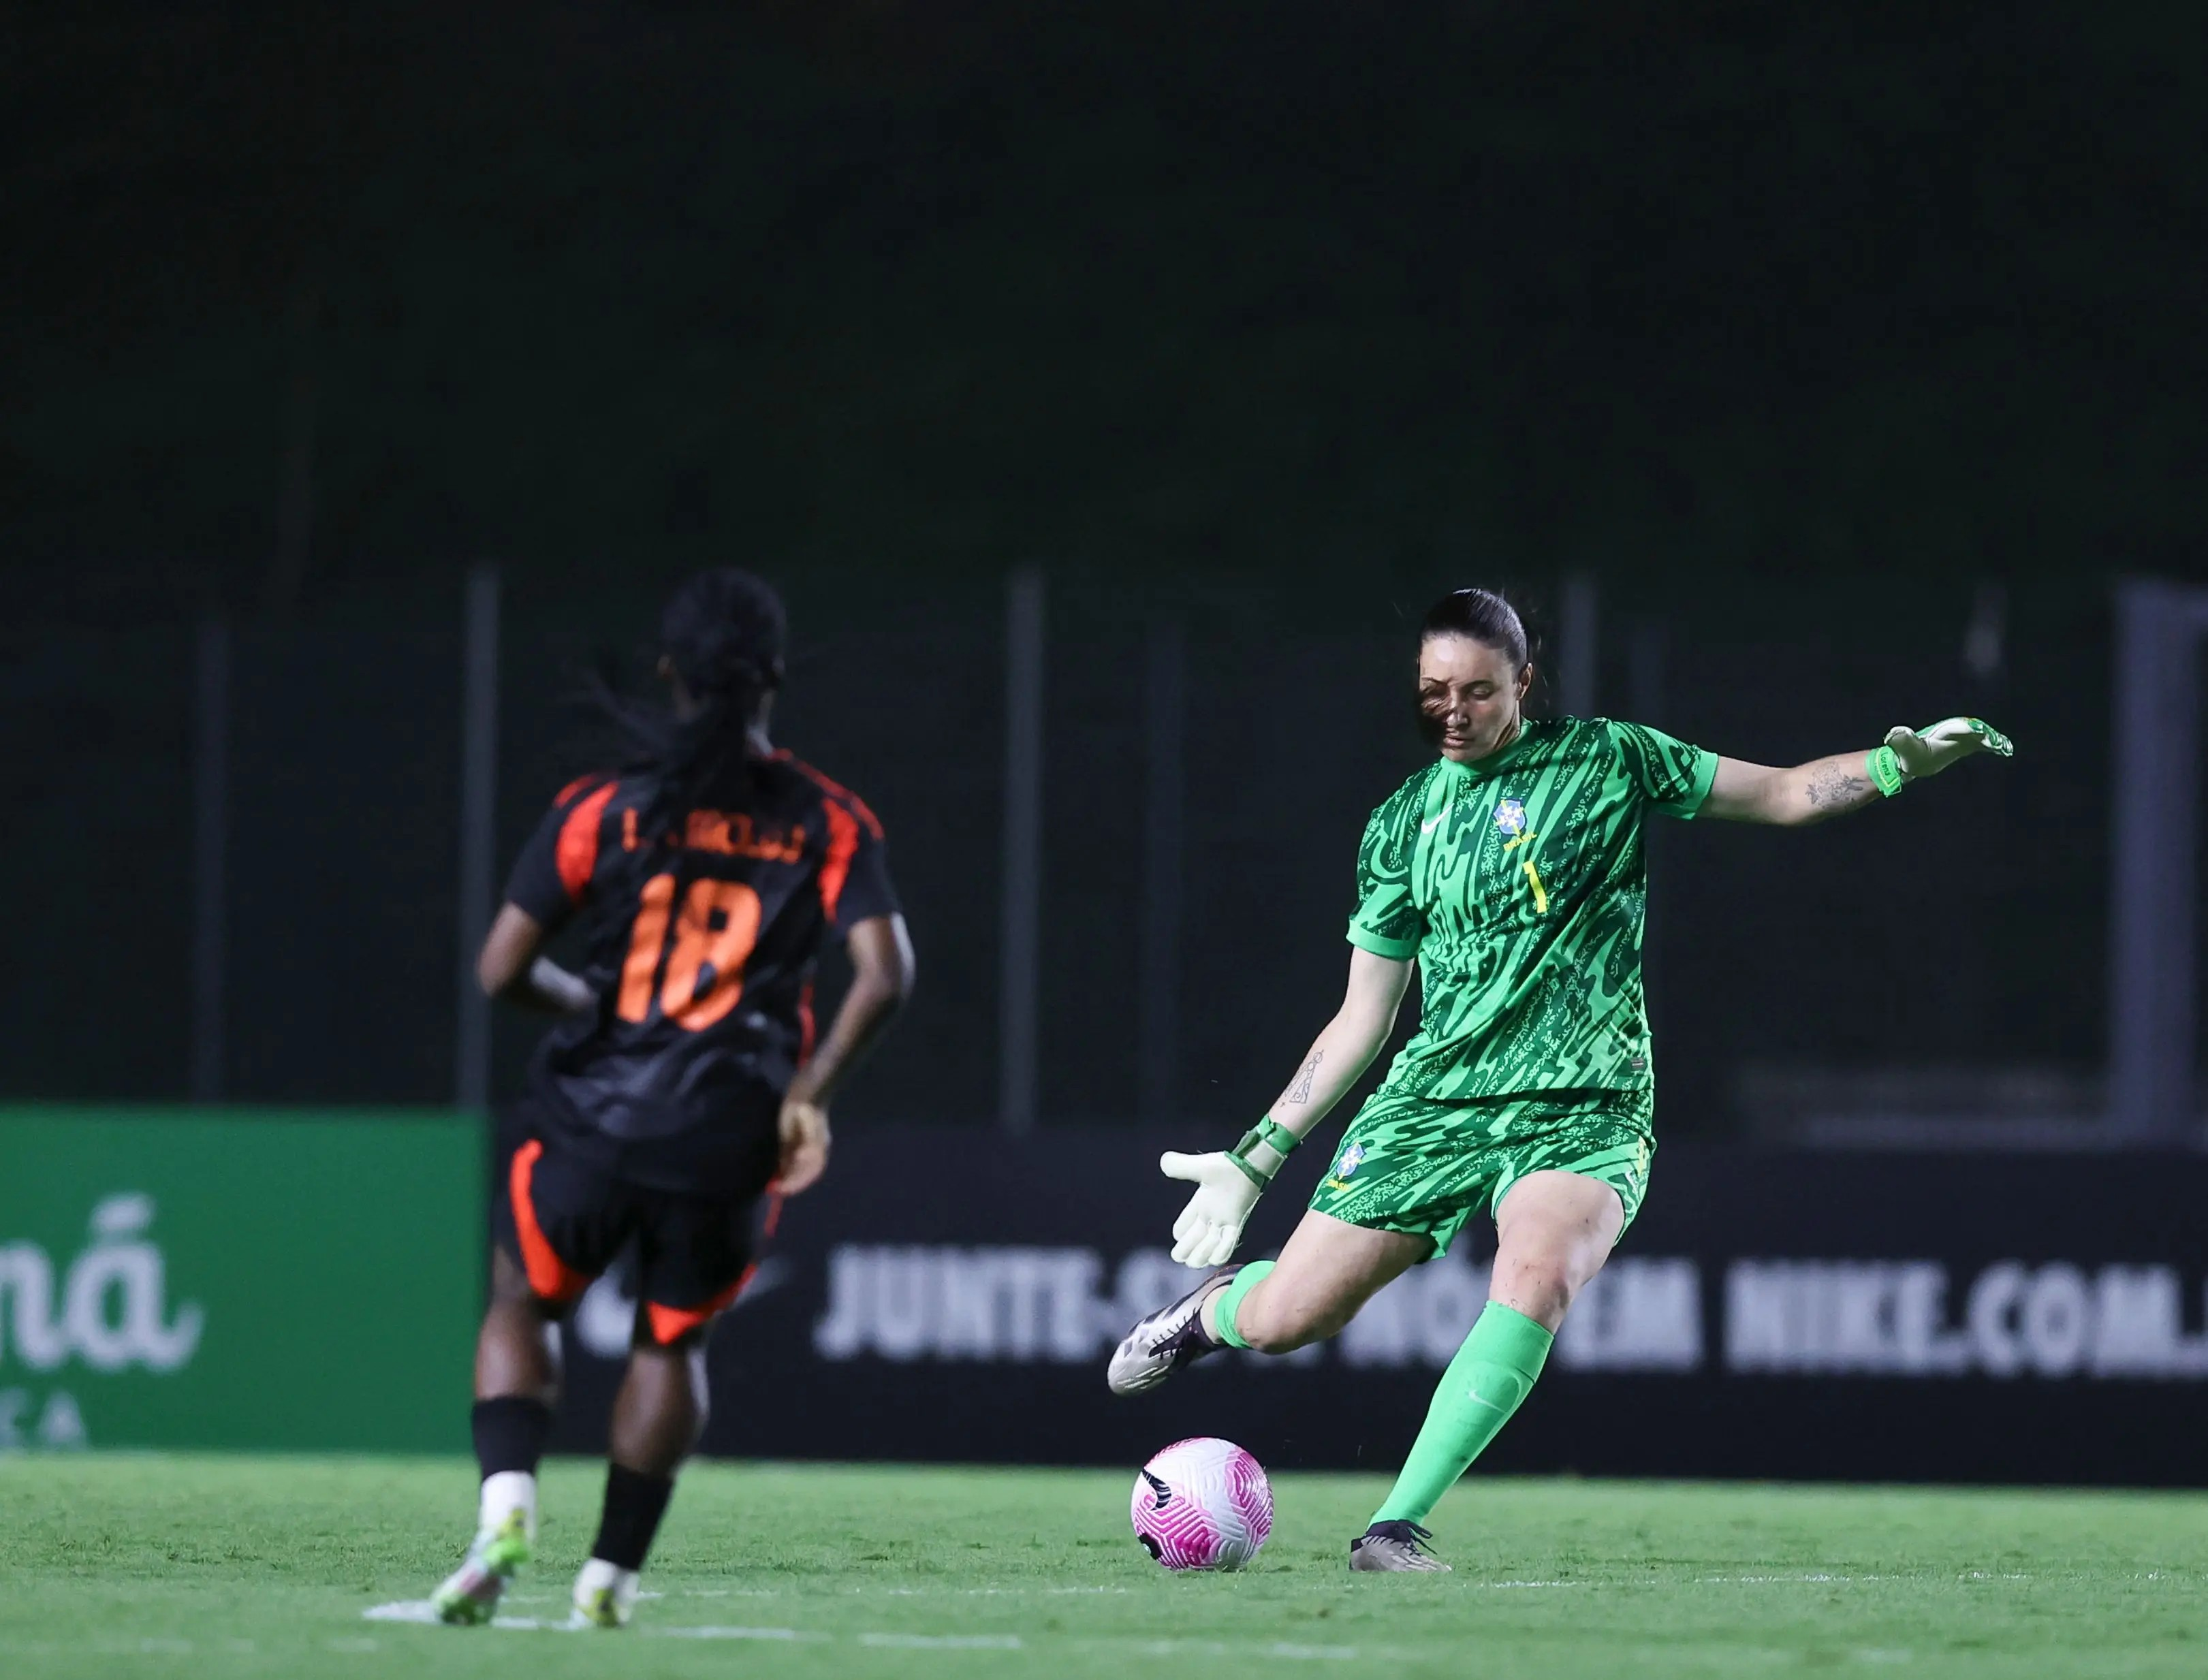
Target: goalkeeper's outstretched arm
<point>1229,1181</point>
<point>1832,787</point>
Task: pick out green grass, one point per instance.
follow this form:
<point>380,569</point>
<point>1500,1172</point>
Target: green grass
<point>166,1566</point>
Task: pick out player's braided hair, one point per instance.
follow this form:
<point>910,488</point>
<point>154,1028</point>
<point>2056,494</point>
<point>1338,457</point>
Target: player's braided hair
<point>722,632</point>
<point>1484,615</point>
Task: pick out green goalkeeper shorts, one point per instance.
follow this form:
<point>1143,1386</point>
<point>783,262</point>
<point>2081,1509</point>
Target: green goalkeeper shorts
<point>1427,1169</point>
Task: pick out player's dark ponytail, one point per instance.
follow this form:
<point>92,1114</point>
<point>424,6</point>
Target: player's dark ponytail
<point>723,633</point>
<point>1484,615</point>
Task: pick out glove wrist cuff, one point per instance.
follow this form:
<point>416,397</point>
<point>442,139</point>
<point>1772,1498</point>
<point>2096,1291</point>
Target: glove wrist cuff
<point>1886,772</point>
<point>1267,1134</point>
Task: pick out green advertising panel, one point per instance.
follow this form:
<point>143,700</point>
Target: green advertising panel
<point>247,1279</point>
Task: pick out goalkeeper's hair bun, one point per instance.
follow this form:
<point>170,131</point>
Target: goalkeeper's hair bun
<point>1484,615</point>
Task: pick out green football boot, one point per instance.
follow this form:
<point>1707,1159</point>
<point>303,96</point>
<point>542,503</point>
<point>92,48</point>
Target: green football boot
<point>470,1596</point>
<point>605,1594</point>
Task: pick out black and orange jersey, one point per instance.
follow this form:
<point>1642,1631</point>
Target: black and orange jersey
<point>702,939</point>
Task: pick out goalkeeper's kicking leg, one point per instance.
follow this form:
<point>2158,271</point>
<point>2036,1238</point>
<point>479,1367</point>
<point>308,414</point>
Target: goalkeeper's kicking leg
<point>1328,1271</point>
<point>1555,1229</point>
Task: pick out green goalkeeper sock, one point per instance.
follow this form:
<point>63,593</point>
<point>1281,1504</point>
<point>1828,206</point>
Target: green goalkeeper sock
<point>1221,1308</point>
<point>1491,1375</point>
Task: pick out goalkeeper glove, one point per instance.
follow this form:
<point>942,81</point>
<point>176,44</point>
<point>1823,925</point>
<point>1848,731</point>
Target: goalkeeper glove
<point>1228,1182</point>
<point>1911,754</point>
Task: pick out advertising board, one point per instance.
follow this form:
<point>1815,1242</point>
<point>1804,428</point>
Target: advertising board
<point>954,1294</point>
<point>272,1280</point>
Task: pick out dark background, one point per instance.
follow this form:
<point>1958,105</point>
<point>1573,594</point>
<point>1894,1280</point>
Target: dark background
<point>1687,292</point>
<point>1806,332</point>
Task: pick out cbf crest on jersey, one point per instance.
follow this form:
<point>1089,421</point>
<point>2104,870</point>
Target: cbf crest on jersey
<point>1510,817</point>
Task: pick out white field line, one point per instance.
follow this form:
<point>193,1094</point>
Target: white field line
<point>150,1646</point>
<point>1789,1579</point>
<point>1220,1647</point>
<point>402,1613</point>
<point>783,1635</point>
<point>982,1592</point>
<point>1500,1586</point>
<point>419,1612</point>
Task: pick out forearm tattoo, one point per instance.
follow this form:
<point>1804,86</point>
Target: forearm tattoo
<point>1300,1089</point>
<point>1833,788</point>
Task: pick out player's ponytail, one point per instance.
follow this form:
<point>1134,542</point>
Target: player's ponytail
<point>1484,615</point>
<point>722,632</point>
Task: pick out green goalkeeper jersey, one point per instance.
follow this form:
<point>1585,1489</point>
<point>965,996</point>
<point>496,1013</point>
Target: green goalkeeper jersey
<point>1519,883</point>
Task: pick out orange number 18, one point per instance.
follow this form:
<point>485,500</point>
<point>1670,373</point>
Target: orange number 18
<point>714,932</point>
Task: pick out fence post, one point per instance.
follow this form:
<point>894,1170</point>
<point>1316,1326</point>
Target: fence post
<point>478,832</point>
<point>210,847</point>
<point>1578,649</point>
<point>2154,808</point>
<point>1020,972</point>
<point>1165,719</point>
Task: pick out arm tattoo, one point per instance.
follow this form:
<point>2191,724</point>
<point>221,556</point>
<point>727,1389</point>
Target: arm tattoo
<point>1300,1089</point>
<point>1835,790</point>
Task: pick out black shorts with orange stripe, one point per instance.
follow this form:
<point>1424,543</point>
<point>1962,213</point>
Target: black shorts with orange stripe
<point>565,1222</point>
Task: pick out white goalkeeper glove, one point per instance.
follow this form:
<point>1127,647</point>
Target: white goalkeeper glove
<point>1911,754</point>
<point>1228,1182</point>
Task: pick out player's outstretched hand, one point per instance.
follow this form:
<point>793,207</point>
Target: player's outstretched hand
<point>804,1145</point>
<point>1929,750</point>
<point>1210,1226</point>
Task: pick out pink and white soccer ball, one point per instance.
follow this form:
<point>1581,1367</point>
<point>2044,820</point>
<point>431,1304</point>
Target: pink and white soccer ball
<point>1203,1504</point>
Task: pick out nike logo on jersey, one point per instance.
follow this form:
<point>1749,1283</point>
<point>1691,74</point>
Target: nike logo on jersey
<point>1431,824</point>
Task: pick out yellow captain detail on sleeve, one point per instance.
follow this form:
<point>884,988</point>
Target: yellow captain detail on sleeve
<point>1533,875</point>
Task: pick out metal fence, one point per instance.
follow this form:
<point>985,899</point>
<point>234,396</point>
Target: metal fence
<point>250,862</point>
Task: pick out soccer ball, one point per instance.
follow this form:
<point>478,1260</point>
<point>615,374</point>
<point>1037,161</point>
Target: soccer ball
<point>1203,1504</point>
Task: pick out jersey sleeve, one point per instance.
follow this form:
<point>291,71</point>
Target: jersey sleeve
<point>1674,777</point>
<point>855,879</point>
<point>551,878</point>
<point>867,892</point>
<point>1387,922</point>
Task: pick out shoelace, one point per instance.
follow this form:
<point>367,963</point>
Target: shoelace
<point>1173,1340</point>
<point>1417,1540</point>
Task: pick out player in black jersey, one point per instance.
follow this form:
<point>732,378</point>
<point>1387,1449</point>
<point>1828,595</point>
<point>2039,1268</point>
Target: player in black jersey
<point>682,1096</point>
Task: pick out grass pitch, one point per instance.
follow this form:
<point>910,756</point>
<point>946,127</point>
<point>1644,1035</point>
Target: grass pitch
<point>166,1566</point>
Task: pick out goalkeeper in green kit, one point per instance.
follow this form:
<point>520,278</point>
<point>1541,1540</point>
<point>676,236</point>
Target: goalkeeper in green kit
<point>1511,872</point>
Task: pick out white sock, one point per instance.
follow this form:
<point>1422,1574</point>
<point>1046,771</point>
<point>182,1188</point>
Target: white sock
<point>503,1494</point>
<point>598,1573</point>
